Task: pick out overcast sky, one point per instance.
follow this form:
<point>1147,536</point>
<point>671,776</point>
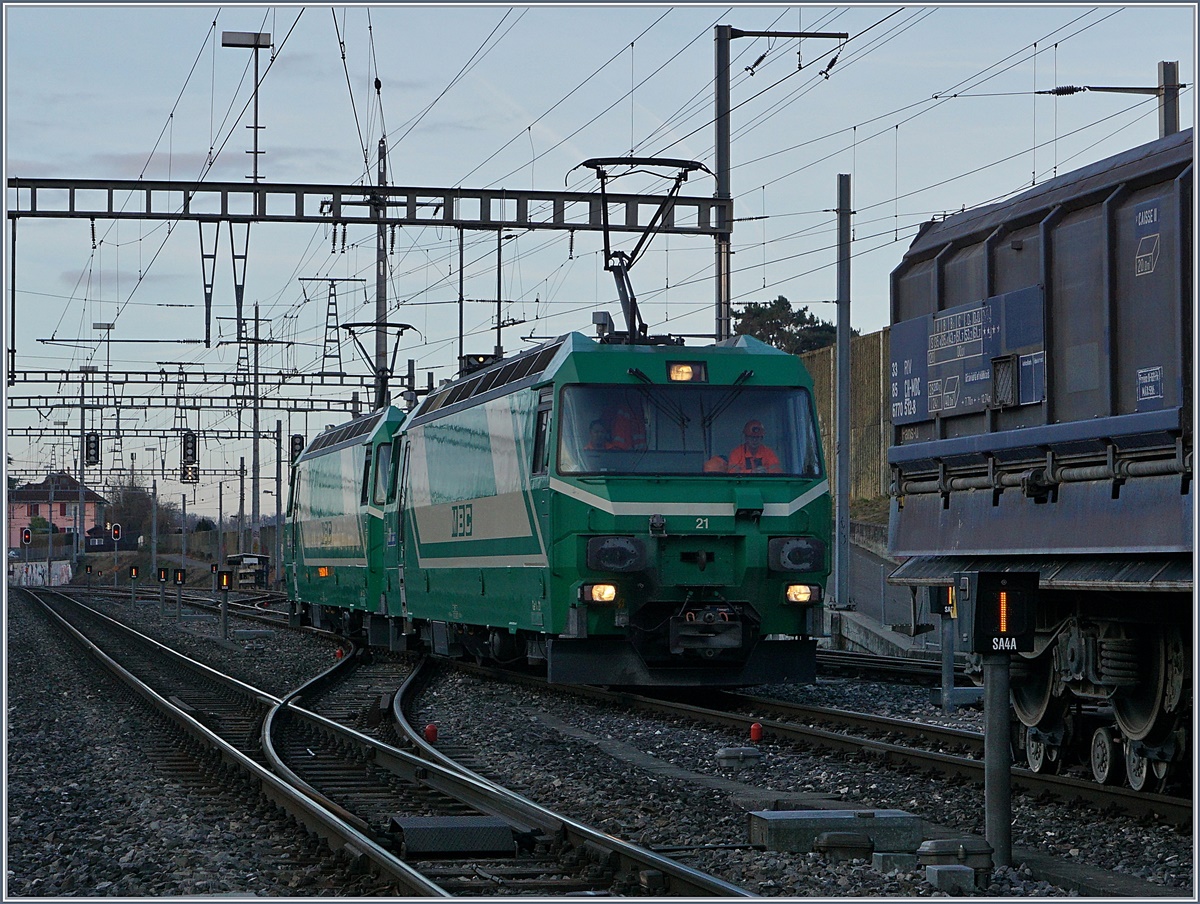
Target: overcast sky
<point>929,109</point>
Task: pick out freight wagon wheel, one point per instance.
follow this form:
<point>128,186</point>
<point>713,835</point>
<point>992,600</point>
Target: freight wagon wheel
<point>1137,769</point>
<point>1033,693</point>
<point>1105,756</point>
<point>1139,709</point>
<point>1042,757</point>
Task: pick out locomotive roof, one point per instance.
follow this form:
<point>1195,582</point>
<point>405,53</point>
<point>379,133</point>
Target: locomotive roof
<point>1147,164</point>
<point>351,433</point>
<point>543,361</point>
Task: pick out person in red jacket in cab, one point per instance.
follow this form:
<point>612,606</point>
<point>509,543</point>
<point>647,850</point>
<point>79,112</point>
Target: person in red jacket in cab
<point>753,456</point>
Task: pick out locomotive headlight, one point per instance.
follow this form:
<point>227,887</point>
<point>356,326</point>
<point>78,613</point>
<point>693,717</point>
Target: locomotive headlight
<point>599,593</point>
<point>803,593</point>
<point>687,372</point>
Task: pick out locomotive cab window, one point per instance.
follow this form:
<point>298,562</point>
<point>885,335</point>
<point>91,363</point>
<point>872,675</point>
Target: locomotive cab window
<point>383,471</point>
<point>688,429</point>
<point>393,483</point>
<point>541,441</point>
<point>366,479</point>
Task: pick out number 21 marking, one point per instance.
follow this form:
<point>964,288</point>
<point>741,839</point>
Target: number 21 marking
<point>701,524</point>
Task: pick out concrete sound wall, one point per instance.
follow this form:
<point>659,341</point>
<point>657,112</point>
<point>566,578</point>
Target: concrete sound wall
<point>870,416</point>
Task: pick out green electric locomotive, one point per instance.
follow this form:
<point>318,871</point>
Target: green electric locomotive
<point>625,514</point>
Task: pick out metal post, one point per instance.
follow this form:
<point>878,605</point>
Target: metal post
<point>154,526</point>
<point>381,335</point>
<point>255,528</point>
<point>50,536</point>
<point>842,436</point>
<point>1168,98</point>
<point>132,591</point>
<point>183,529</point>
<point>241,547</point>
<point>278,504</point>
<point>461,299</point>
<point>225,614</point>
<point>79,546</point>
<point>499,289</point>
<point>724,234</point>
<point>220,523</point>
<point>947,664</point>
<point>997,758</point>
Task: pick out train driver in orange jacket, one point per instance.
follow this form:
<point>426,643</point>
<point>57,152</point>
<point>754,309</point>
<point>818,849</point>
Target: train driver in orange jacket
<point>752,456</point>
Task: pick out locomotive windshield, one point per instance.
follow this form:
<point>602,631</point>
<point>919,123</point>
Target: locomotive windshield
<point>687,430</point>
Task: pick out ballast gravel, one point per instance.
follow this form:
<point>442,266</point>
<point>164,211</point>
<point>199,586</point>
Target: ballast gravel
<point>90,815</point>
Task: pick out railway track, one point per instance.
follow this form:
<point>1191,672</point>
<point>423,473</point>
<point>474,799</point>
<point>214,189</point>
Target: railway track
<point>430,826</point>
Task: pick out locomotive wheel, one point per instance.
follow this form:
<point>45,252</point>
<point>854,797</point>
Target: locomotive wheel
<point>1139,709</point>
<point>1105,756</point>
<point>1033,695</point>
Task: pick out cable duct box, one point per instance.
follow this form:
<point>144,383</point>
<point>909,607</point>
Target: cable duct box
<point>451,836</point>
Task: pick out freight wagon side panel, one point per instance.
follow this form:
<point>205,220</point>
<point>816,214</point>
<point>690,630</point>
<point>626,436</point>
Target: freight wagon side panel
<point>1041,368</point>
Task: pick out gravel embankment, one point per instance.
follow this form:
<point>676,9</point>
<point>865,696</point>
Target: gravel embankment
<point>548,746</point>
<point>111,823</point>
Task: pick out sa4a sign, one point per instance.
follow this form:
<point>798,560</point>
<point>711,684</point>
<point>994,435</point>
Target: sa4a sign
<point>1004,645</point>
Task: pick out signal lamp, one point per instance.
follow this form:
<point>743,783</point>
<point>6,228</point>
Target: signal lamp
<point>133,572</point>
<point>599,593</point>
<point>803,593</point>
<point>116,532</point>
<point>26,536</point>
<point>163,574</point>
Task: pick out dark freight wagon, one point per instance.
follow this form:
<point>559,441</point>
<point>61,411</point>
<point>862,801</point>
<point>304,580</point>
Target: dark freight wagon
<point>1041,397</point>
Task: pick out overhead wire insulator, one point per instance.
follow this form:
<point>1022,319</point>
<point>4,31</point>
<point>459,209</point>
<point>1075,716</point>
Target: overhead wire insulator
<point>1062,90</point>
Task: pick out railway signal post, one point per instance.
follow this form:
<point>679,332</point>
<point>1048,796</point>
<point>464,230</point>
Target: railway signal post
<point>995,612</point>
<point>162,592</point>
<point>225,580</point>
<point>133,576</point>
<point>180,578</point>
<point>116,538</point>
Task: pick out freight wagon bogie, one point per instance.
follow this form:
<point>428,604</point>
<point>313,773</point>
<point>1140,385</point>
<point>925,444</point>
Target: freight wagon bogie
<point>1042,411</point>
